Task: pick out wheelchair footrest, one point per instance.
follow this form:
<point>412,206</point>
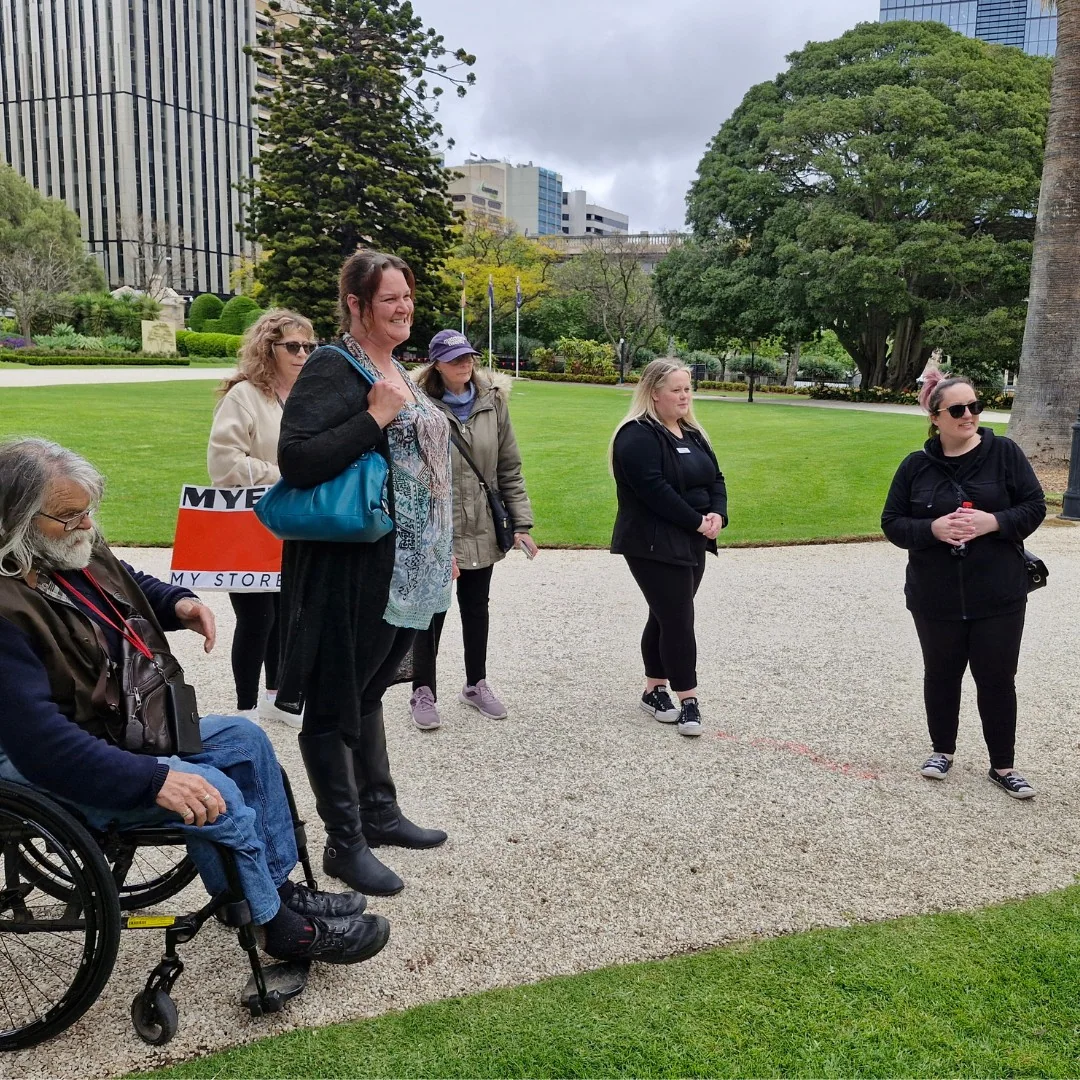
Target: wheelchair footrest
<point>284,981</point>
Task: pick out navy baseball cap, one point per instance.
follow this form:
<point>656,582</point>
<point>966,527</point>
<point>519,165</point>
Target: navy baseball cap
<point>448,345</point>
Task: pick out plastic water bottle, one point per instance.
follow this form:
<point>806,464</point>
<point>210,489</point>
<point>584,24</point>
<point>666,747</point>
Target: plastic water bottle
<point>961,549</point>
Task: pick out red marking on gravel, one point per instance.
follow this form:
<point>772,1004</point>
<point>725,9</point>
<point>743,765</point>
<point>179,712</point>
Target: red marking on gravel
<point>844,768</point>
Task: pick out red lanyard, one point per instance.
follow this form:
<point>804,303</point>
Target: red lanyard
<point>124,629</point>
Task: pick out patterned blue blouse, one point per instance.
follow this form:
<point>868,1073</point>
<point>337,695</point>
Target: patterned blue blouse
<point>419,438</point>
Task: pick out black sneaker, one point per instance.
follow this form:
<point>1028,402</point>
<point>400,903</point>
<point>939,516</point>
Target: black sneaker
<point>936,766</point>
<point>658,704</point>
<point>1012,784</point>
<point>309,902</point>
<point>347,941</point>
<point>689,717</point>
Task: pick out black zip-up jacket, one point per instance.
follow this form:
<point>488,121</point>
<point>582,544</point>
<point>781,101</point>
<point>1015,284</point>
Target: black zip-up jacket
<point>989,579</point>
<point>654,520</point>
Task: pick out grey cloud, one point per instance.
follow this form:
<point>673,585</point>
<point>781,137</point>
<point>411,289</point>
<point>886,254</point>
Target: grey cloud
<point>630,91</point>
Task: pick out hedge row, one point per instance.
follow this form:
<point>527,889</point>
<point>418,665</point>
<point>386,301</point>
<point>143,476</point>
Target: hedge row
<point>992,399</point>
<point>761,388</point>
<point>82,360</point>
<point>192,343</point>
<point>558,376</point>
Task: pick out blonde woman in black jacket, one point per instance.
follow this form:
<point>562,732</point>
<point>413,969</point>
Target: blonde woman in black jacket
<point>962,507</point>
<point>672,505</point>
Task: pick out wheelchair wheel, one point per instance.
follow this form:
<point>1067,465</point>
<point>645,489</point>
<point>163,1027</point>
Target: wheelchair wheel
<point>154,1017</point>
<point>144,875</point>
<point>56,953</point>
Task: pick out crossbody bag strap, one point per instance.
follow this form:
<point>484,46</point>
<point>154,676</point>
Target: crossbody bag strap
<point>468,460</point>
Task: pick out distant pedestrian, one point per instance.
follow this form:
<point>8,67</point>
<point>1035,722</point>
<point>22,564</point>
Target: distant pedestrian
<point>962,507</point>
<point>672,504</point>
<point>243,453</point>
<point>476,405</point>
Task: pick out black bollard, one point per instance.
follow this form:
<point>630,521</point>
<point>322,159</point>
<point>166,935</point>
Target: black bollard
<point>1070,508</point>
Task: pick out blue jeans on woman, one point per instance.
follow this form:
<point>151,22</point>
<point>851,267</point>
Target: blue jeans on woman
<point>239,761</point>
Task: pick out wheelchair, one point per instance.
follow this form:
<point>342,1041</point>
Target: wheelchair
<point>67,892</point>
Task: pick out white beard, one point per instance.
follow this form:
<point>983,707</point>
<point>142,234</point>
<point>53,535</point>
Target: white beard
<point>71,551</point>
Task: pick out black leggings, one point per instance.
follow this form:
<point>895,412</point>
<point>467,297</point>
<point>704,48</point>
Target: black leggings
<point>992,648</point>
<point>473,590</point>
<point>389,646</point>
<point>254,644</point>
<point>668,645</point>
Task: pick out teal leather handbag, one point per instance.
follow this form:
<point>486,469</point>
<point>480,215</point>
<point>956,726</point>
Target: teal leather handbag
<point>352,508</point>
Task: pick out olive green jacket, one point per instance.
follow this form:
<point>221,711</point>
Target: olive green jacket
<point>489,438</point>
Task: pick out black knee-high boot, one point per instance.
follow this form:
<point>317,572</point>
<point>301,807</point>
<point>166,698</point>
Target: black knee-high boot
<point>347,856</point>
<point>382,821</point>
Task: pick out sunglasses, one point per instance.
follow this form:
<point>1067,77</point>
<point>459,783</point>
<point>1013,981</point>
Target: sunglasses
<point>294,347</point>
<point>957,411</point>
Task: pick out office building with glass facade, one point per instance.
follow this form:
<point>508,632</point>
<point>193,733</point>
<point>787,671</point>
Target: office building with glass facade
<point>530,196</point>
<point>1022,23</point>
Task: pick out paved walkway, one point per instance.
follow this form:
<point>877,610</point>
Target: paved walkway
<point>582,833</point>
<point>53,376</point>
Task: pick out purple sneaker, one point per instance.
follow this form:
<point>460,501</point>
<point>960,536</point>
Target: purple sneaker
<point>483,700</point>
<point>422,706</point>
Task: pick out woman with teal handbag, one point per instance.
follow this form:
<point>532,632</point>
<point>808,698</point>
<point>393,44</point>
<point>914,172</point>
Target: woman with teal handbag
<point>351,608</point>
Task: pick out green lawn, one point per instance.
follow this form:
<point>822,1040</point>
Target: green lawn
<point>793,473</point>
<point>988,994</point>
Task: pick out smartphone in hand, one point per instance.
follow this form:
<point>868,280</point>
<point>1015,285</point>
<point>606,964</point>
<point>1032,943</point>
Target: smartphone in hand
<point>529,553</point>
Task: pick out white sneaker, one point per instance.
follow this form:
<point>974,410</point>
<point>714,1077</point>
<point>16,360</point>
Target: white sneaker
<point>268,710</point>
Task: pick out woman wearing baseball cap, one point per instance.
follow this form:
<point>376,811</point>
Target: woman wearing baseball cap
<point>476,404</point>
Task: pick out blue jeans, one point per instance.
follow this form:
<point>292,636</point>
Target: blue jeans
<point>239,761</point>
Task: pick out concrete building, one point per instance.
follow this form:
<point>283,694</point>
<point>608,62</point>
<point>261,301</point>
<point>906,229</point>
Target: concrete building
<point>137,114</point>
<point>581,217</point>
<point>1022,23</point>
<point>528,195</point>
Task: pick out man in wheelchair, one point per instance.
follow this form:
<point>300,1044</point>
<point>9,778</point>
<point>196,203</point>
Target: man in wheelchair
<point>71,616</point>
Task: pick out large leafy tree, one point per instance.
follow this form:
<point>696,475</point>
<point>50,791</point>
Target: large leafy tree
<point>42,254</point>
<point>1048,391</point>
<point>884,186</point>
<point>348,154</point>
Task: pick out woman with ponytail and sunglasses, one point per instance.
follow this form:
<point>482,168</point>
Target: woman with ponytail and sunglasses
<point>962,507</point>
<point>243,453</point>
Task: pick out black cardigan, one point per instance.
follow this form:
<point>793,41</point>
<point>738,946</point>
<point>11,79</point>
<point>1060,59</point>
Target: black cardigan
<point>654,521</point>
<point>332,595</point>
<point>990,578</point>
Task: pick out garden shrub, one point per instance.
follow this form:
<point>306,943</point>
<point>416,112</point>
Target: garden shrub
<point>102,314</point>
<point>584,357</point>
<point>47,359</point>
<point>236,309</point>
<point>561,376</point>
<point>204,307</point>
<point>190,343</point>
<point>992,399</point>
<point>546,360</point>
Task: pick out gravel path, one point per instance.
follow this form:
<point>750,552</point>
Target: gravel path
<point>584,834</point>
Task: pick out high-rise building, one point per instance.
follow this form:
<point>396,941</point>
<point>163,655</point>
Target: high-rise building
<point>137,114</point>
<point>581,217</point>
<point>1023,23</point>
<point>528,195</point>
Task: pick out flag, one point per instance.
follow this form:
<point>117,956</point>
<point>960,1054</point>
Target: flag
<point>491,293</point>
<point>464,302</point>
<point>517,294</point>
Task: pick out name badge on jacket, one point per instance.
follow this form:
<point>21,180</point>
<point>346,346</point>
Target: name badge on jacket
<point>683,449</point>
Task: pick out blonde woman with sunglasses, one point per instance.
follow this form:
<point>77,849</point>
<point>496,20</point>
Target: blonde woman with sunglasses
<point>243,453</point>
<point>962,507</point>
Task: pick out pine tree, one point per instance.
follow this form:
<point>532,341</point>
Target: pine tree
<point>348,153</point>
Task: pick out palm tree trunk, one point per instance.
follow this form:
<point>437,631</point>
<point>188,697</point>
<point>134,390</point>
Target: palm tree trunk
<point>1048,385</point>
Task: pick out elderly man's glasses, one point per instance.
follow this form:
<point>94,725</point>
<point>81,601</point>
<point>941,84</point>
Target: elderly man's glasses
<point>70,523</point>
<point>294,347</point>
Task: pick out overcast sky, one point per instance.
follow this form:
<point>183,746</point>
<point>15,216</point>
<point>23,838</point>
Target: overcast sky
<point>620,96</point>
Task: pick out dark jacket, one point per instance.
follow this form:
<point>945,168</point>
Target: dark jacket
<point>332,595</point>
<point>54,724</point>
<point>990,578</point>
<point>654,520</point>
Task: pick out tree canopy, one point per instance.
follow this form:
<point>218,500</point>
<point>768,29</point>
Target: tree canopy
<point>885,187</point>
<point>348,156</point>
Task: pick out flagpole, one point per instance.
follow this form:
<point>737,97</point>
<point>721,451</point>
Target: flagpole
<point>463,305</point>
<point>517,331</point>
<point>491,319</point>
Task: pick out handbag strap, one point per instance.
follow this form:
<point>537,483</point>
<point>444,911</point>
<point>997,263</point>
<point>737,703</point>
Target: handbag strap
<point>468,460</point>
<point>355,363</point>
